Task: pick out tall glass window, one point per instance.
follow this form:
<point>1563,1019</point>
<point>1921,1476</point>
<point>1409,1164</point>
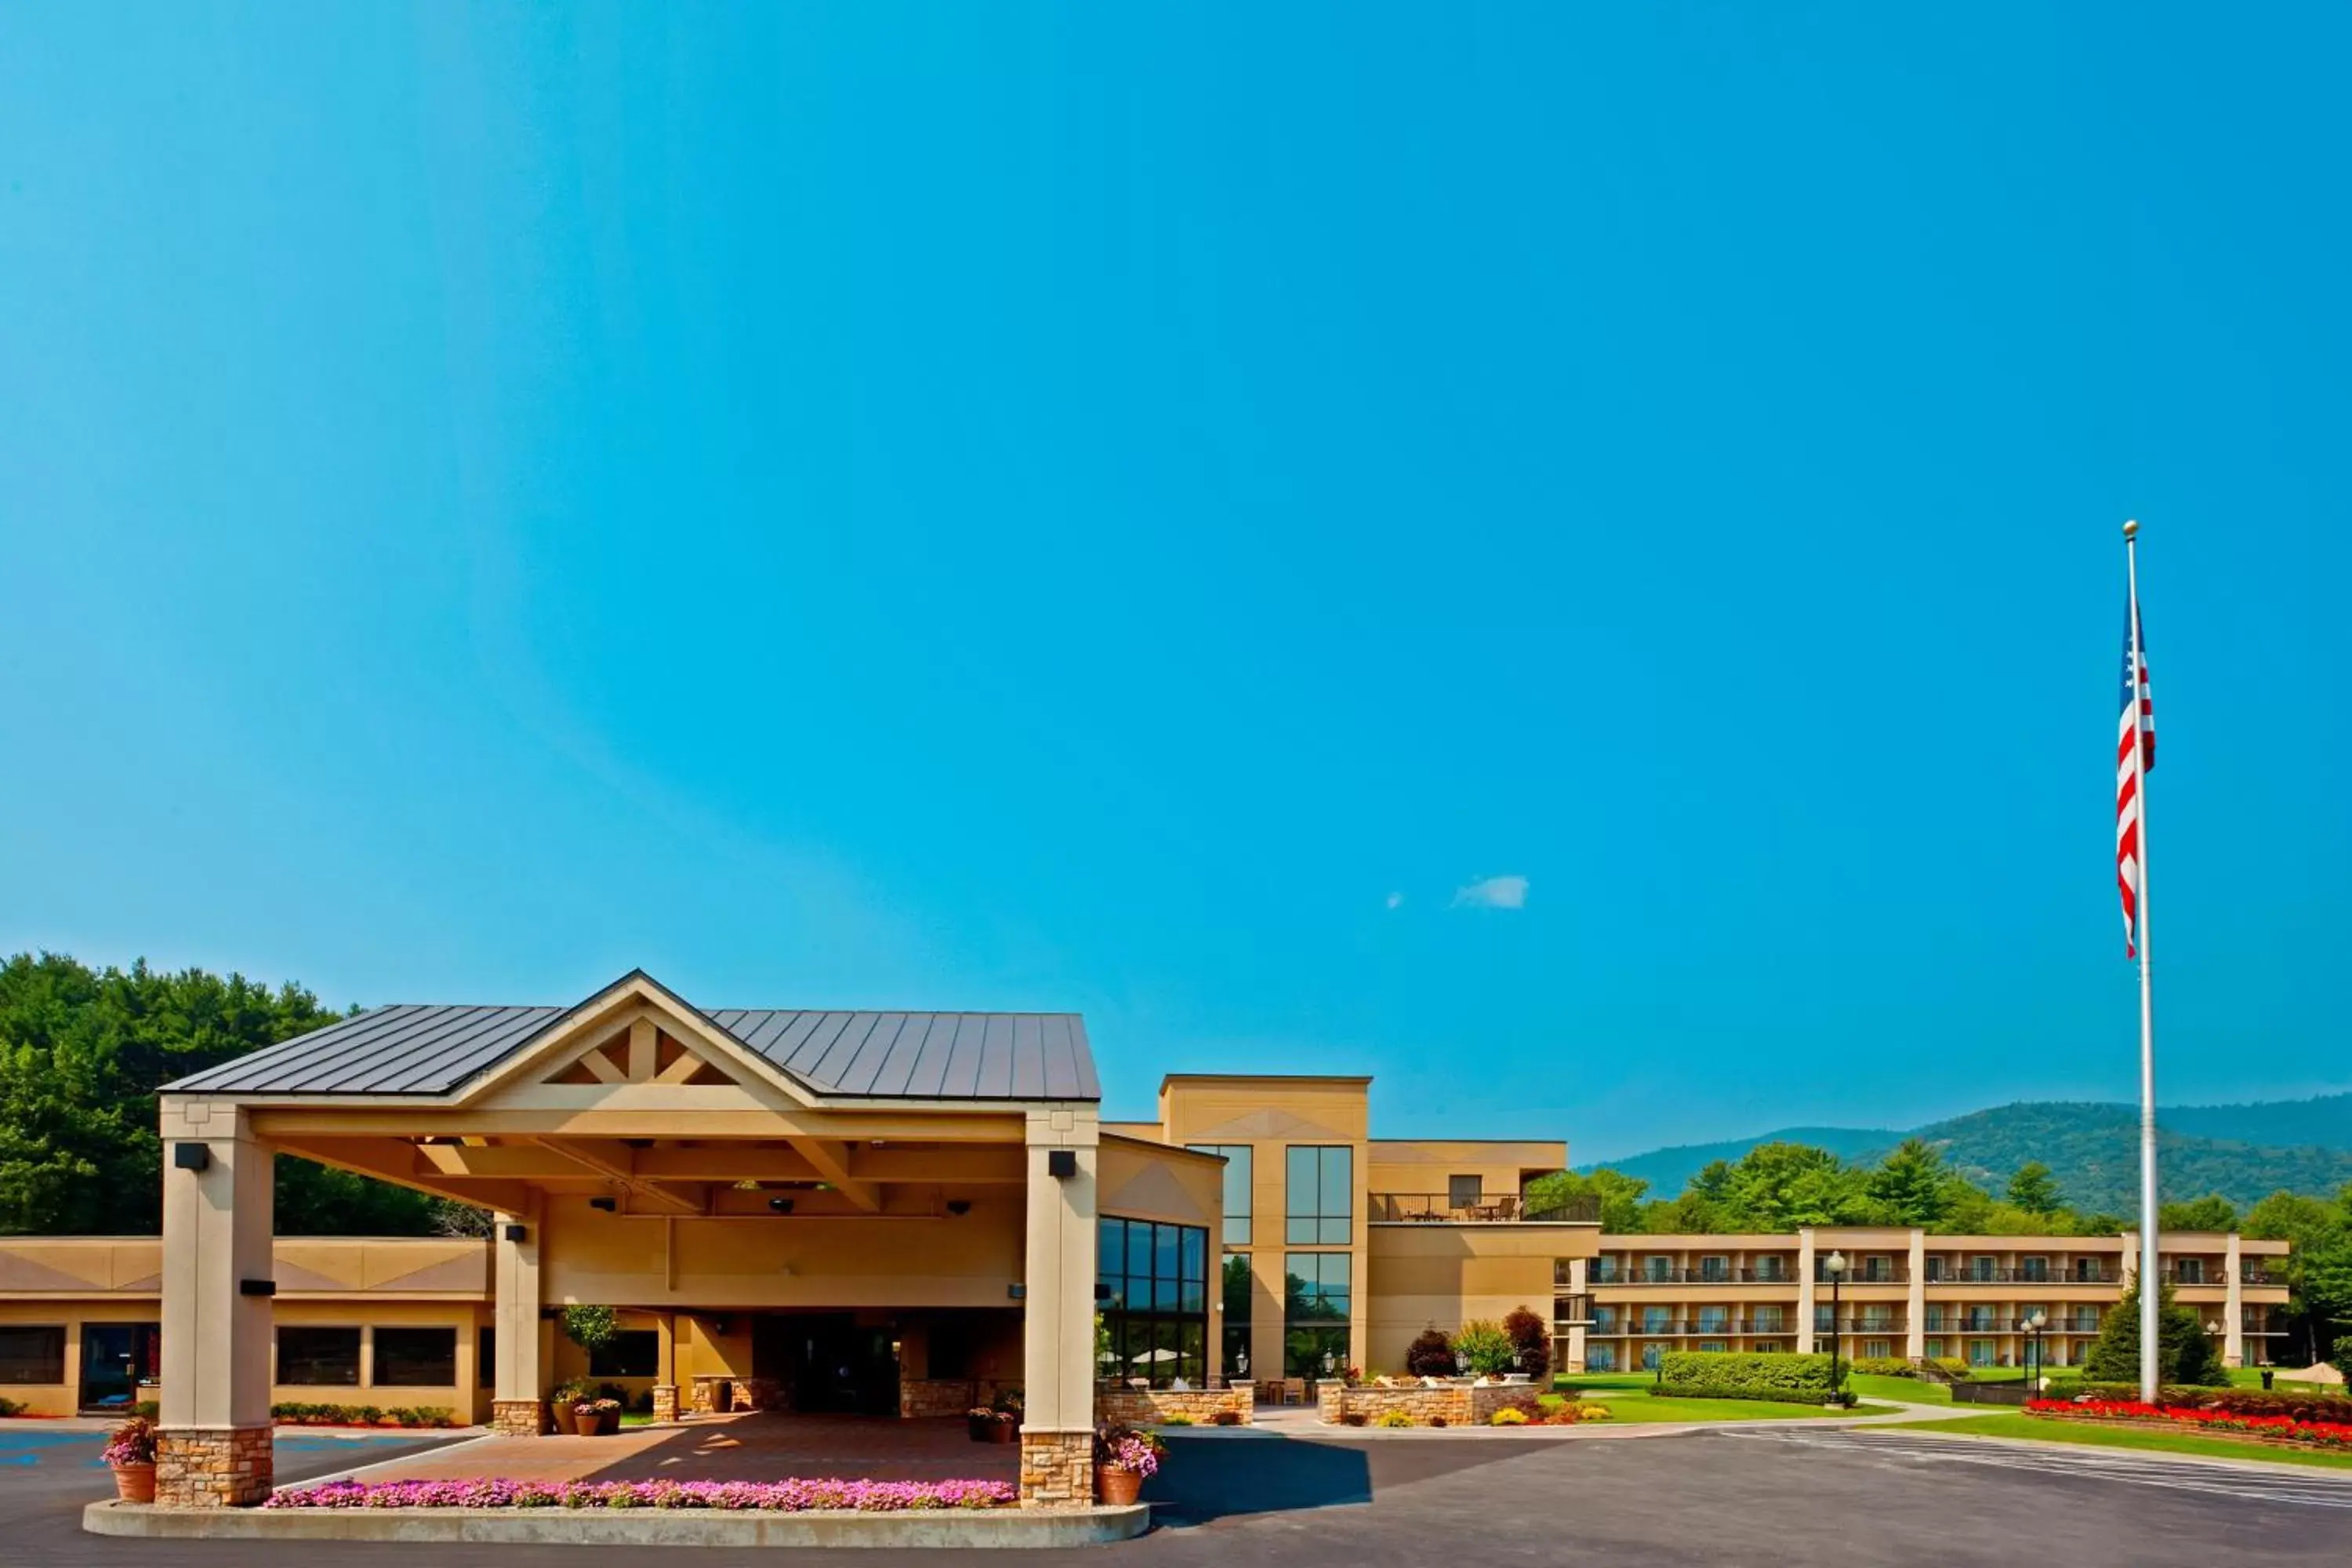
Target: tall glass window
<point>1238,1188</point>
<point>1155,1299</point>
<point>1315,1297</point>
<point>1321,1182</point>
<point>1238,1299</point>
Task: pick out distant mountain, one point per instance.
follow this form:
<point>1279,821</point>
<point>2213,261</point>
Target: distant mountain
<point>1668,1169</point>
<point>2243,1152</point>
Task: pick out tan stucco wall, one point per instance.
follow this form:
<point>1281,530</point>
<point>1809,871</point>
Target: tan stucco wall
<point>1447,1275</point>
<point>1427,1164</point>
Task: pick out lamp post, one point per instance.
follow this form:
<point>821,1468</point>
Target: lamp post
<point>1834,1266</point>
<point>2033,1326</point>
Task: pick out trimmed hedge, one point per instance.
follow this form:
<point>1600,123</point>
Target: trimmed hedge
<point>1881,1366</point>
<point>1716,1374</point>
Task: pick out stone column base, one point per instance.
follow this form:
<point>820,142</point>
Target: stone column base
<point>213,1467</point>
<point>665,1402</point>
<point>1057,1469</point>
<point>519,1417</point>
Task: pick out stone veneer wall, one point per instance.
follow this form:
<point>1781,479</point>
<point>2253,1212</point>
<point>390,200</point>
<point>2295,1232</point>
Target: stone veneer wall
<point>1458,1404</point>
<point>708,1394</point>
<point>1145,1406</point>
<point>213,1467</point>
<point>926,1397</point>
<point>1057,1469</point>
<point>665,1402</point>
<point>756,1393</point>
<point>519,1417</point>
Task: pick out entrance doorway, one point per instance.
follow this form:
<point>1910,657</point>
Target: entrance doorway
<point>116,1358</point>
<point>830,1364</point>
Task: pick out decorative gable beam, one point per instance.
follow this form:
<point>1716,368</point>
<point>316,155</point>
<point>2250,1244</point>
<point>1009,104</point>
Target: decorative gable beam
<point>832,1162</point>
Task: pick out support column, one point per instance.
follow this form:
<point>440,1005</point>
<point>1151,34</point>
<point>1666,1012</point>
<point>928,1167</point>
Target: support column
<point>665,1369</point>
<point>213,1448</point>
<point>519,1389</point>
<point>1580,1287</point>
<point>1057,1328</point>
<point>2234,1326</point>
<point>1914,1306</point>
<point>1805,1291</point>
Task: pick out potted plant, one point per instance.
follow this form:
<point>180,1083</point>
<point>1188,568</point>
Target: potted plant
<point>1484,1349</point>
<point>597,1417</point>
<point>990,1425</point>
<point>130,1455</point>
<point>1123,1458</point>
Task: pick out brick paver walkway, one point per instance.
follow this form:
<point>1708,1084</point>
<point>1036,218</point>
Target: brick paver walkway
<point>757,1448</point>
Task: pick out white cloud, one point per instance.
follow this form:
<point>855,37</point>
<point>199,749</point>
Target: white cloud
<point>1396,901</point>
<point>1494,893</point>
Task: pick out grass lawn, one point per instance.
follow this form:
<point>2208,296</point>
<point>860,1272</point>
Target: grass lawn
<point>1903,1390</point>
<point>1631,1400</point>
<point>2057,1430</point>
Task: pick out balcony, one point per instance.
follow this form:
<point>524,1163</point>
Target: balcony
<point>1676,1328</point>
<point>1490,1208</point>
<point>1701,1276</point>
<point>1568,1310</point>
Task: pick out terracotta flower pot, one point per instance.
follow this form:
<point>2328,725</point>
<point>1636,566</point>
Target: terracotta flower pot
<point>583,1422</point>
<point>1117,1486</point>
<point>608,1421</point>
<point>135,1483</point>
<point>1004,1431</point>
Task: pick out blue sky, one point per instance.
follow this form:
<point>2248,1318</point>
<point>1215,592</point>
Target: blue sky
<point>1135,508</point>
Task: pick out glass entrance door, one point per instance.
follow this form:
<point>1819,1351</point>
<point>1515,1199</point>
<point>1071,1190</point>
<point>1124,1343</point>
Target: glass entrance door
<point>116,1358</point>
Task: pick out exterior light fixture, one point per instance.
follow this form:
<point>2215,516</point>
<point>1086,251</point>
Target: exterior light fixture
<point>779,1206</point>
<point>516,1232</point>
<point>190,1156</point>
<point>603,1206</point>
<point>257,1286</point>
<point>1016,1293</point>
<point>1062,1163</point>
<point>959,1206</point>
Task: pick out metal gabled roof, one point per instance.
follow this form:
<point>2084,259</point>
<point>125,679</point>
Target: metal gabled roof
<point>412,1049</point>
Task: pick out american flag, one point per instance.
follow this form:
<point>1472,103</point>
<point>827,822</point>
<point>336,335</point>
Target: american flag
<point>2136,713</point>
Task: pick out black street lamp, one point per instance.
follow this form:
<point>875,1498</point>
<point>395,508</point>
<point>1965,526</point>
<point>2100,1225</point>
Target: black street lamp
<point>1834,1266</point>
<point>2033,1326</point>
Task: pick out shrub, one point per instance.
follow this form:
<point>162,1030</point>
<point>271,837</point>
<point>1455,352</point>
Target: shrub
<point>1226,1418</point>
<point>1882,1366</point>
<point>10,1407</point>
<point>1393,1419</point>
<point>590,1328</point>
<point>2342,1352</point>
<point>2184,1355</point>
<point>1530,1339</point>
<point>1179,1420</point>
<point>147,1410</point>
<point>1487,1347</point>
<point>1704,1375</point>
<point>1507,1416</point>
<point>1594,1410</point>
<point>1953,1367</point>
<point>1431,1355</point>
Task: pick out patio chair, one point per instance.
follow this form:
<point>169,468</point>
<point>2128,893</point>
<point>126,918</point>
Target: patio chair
<point>1294,1391</point>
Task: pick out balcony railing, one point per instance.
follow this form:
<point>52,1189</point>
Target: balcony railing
<point>1570,1308</point>
<point>1700,1276</point>
<point>1640,1327</point>
<point>2018,1276</point>
<point>1491,1209</point>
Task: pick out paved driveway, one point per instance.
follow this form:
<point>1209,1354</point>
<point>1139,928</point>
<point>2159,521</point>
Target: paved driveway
<point>1855,1500</point>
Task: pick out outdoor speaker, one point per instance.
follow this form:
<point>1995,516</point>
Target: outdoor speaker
<point>959,1206</point>
<point>603,1206</point>
<point>1062,1162</point>
<point>190,1156</point>
<point>257,1286</point>
<point>781,1205</point>
<point>516,1232</point>
<point>1016,1293</point>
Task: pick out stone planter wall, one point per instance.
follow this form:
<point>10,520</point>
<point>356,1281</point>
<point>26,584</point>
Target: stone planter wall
<point>756,1393</point>
<point>665,1402</point>
<point>519,1417</point>
<point>929,1397</point>
<point>1146,1406</point>
<point>1457,1405</point>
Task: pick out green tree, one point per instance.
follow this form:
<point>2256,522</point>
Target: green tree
<point>2034,1190</point>
<point>1780,1186</point>
<point>2185,1353</point>
<point>82,1053</point>
<point>1620,1194</point>
<point>2212,1212</point>
<point>2318,1269</point>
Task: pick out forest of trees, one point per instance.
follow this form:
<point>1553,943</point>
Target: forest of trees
<point>82,1052</point>
<point>1777,1187</point>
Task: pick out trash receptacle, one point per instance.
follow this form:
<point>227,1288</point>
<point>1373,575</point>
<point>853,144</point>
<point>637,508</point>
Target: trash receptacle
<point>2267,1376</point>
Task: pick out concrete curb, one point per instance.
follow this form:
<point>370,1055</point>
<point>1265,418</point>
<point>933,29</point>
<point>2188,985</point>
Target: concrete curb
<point>627,1527</point>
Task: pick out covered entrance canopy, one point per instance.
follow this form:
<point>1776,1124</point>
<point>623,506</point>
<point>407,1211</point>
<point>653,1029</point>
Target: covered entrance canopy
<point>812,1185</point>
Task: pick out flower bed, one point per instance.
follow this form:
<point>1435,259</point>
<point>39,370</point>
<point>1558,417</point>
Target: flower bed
<point>295,1414</point>
<point>2228,1423</point>
<point>734,1496</point>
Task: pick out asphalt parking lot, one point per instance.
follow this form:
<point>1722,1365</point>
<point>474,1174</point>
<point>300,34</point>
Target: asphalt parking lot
<point>1826,1500</point>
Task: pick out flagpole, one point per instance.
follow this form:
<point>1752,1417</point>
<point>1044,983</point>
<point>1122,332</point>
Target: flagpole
<point>2151,1291</point>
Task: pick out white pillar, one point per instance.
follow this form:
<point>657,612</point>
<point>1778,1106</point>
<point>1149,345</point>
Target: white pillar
<point>213,1450</point>
<point>519,1384</point>
<point>1915,1340</point>
<point>2234,1326</point>
<point>1057,1318</point>
<point>1805,1291</point>
<point>1580,1287</point>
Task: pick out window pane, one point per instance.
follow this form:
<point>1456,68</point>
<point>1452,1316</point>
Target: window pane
<point>1338,1183</point>
<point>1138,1263</point>
<point>416,1358</point>
<point>318,1358</point>
<point>1110,1255</point>
<point>1237,1292</point>
<point>33,1353</point>
<point>632,1352</point>
<point>1195,1275</point>
<point>1237,1193</point>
